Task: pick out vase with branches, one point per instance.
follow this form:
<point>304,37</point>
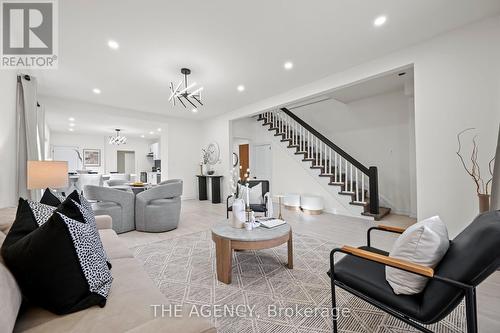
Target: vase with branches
<point>474,171</point>
<point>205,157</point>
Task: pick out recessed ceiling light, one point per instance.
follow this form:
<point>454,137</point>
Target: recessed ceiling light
<point>71,129</point>
<point>151,132</point>
<point>96,91</point>
<point>240,88</point>
<point>194,110</point>
<point>71,125</point>
<point>113,44</point>
<point>159,129</point>
<point>288,65</point>
<point>71,119</point>
<point>142,135</point>
<point>380,21</point>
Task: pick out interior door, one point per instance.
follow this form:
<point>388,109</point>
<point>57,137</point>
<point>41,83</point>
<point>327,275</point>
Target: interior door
<point>262,163</point>
<point>125,161</point>
<point>244,159</point>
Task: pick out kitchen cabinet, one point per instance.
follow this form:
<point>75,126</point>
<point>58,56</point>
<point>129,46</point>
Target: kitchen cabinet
<point>155,149</point>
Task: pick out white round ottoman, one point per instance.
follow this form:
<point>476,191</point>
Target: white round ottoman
<point>311,204</point>
<point>292,201</point>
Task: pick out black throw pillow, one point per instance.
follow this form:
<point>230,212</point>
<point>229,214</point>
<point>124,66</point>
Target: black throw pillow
<point>84,214</point>
<point>55,259</point>
<point>51,198</point>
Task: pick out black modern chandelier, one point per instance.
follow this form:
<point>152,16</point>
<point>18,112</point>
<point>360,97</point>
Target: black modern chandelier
<point>117,139</point>
<point>182,94</point>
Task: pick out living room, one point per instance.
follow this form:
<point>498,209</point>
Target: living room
<point>221,155</point>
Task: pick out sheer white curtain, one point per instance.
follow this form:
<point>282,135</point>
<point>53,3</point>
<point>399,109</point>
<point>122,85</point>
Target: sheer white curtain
<point>495,186</point>
<point>30,132</point>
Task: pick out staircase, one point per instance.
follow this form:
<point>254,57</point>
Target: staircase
<point>346,175</point>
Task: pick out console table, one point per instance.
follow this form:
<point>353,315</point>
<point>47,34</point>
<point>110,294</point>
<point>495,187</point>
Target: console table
<point>202,188</point>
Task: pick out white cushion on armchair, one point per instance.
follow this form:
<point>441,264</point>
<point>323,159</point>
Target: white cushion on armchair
<point>424,243</point>
<point>255,194</point>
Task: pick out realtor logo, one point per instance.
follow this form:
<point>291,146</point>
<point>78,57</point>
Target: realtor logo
<point>29,34</point>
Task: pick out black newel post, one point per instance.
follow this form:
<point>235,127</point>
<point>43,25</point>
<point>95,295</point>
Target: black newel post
<point>374,203</point>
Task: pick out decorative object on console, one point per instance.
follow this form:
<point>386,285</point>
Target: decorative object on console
<point>91,157</point>
<point>235,159</point>
<point>117,139</point>
<point>495,184</point>
<point>59,266</point>
<point>210,156</point>
<point>182,94</point>
<point>482,187</point>
<point>204,161</point>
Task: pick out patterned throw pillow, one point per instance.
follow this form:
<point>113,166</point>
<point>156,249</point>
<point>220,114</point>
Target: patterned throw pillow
<point>57,257</point>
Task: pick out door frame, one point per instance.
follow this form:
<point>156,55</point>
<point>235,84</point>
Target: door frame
<point>252,159</point>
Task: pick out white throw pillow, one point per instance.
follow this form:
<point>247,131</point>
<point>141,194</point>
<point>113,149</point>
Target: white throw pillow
<point>255,194</point>
<point>424,243</point>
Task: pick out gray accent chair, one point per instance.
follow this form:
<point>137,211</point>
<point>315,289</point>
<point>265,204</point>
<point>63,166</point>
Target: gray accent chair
<point>158,209</point>
<point>116,203</point>
<point>116,182</point>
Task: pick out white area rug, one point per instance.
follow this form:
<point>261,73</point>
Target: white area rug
<point>184,270</point>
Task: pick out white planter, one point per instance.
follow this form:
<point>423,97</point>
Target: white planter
<point>204,169</point>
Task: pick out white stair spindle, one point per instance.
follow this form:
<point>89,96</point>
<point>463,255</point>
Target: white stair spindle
<point>356,188</point>
<point>351,179</point>
<point>362,187</point>
<point>320,160</point>
<point>317,155</point>
<point>300,138</point>
<point>335,168</point>
<point>330,164</point>
<point>308,144</point>
<point>345,180</point>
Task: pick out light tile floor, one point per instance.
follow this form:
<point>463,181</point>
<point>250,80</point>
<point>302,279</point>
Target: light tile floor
<point>201,215</point>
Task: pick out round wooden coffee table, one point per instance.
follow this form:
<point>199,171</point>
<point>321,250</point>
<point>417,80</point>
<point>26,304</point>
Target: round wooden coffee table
<point>227,239</point>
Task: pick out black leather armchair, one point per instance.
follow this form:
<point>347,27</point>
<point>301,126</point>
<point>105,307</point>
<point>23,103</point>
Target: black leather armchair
<point>473,255</point>
<point>261,208</point>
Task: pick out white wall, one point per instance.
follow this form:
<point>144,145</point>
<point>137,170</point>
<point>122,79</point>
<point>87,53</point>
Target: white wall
<point>457,85</point>
<point>8,138</point>
<point>376,132</point>
<point>108,152</point>
<point>179,140</point>
<point>181,154</point>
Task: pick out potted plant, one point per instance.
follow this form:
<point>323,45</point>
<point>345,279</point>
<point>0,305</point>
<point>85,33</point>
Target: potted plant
<point>474,170</point>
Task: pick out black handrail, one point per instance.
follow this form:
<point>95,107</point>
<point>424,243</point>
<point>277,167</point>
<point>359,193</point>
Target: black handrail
<point>330,144</point>
<point>371,172</point>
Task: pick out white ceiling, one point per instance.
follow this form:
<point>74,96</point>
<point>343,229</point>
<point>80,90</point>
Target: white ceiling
<point>227,43</point>
<point>100,120</point>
